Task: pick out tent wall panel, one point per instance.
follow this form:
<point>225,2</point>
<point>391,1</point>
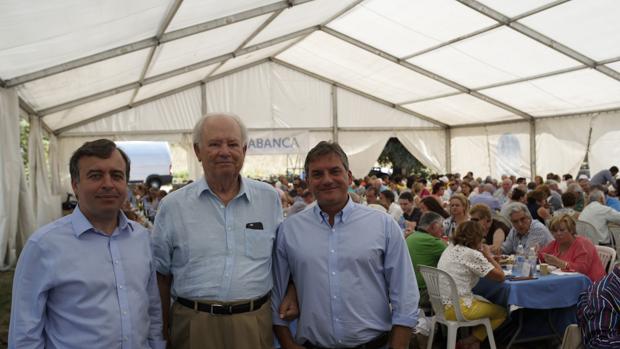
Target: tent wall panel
<point>561,144</point>
<point>605,142</point>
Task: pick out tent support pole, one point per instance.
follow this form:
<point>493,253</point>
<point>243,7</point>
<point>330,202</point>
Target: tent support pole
<point>203,98</point>
<point>334,93</point>
<point>448,150</point>
<point>533,148</point>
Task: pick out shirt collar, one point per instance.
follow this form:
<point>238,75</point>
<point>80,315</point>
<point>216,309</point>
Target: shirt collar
<point>344,214</point>
<point>244,188</point>
<point>81,224</point>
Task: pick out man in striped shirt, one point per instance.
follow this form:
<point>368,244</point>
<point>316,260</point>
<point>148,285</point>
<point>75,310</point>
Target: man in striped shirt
<point>599,312</point>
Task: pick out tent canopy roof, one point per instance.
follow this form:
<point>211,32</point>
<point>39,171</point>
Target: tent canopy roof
<point>447,62</point>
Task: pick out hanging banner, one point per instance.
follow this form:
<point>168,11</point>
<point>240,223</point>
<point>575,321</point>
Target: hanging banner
<point>278,142</point>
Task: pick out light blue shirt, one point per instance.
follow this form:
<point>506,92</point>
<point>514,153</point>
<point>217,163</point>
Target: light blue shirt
<point>76,287</point>
<point>346,275</point>
<point>487,199</point>
<point>214,251</point>
<point>538,234</point>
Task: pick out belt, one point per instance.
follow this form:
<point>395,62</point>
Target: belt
<point>225,309</point>
<point>375,343</point>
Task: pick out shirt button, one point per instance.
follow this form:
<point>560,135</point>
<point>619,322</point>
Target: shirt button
<point>116,261</point>
<point>125,338</point>
<point>120,287</point>
<point>333,230</point>
<point>124,313</point>
<point>333,273</point>
<point>334,297</point>
<point>332,251</point>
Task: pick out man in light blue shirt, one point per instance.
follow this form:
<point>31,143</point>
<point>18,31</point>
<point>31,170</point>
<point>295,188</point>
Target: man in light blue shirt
<point>212,245</point>
<point>86,280</point>
<point>525,230</point>
<point>349,263</point>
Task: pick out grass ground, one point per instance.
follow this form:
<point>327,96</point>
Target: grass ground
<point>6,285</point>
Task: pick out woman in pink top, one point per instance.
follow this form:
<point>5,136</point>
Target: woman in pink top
<point>570,252</point>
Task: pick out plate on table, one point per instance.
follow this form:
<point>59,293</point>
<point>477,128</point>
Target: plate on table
<point>550,267</point>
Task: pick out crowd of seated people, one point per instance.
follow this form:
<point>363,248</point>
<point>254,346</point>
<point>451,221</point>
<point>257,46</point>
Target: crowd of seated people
<point>459,223</point>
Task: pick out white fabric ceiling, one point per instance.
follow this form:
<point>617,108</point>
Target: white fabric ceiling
<point>455,62</point>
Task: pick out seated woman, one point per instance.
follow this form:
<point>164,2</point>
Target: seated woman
<point>495,232</point>
<point>569,201</point>
<point>467,259</point>
<point>429,203</point>
<point>570,252</point>
<point>459,213</point>
<point>538,206</point>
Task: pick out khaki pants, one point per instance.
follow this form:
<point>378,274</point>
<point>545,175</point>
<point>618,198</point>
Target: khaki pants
<point>192,329</point>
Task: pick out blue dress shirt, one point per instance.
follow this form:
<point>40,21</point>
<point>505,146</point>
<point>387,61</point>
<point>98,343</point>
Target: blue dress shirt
<point>213,251</point>
<point>76,287</point>
<point>346,276</point>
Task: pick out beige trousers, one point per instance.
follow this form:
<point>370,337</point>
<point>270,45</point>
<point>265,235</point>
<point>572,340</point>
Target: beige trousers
<point>192,329</point>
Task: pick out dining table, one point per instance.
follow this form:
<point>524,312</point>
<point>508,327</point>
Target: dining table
<point>542,307</point>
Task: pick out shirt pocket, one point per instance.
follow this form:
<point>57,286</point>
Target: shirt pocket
<point>258,243</point>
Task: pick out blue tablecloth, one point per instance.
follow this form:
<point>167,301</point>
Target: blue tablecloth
<point>546,292</point>
<point>547,301</point>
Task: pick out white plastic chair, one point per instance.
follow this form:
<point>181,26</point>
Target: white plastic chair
<point>432,276</point>
<point>607,255</point>
<point>572,338</point>
<point>587,230</point>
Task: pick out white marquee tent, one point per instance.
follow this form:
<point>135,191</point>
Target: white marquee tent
<point>492,86</point>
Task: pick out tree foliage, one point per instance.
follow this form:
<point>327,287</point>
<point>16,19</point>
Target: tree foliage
<point>400,159</point>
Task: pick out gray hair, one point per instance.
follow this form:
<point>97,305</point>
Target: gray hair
<point>515,207</point>
<point>596,195</point>
<point>199,127</point>
<point>429,218</point>
<point>574,187</point>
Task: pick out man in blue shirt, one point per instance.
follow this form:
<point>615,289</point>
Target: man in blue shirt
<point>349,263</point>
<point>212,246</point>
<point>86,280</point>
<point>605,178</point>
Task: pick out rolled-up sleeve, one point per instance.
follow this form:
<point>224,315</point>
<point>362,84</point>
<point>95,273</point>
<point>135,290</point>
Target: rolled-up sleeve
<point>401,281</point>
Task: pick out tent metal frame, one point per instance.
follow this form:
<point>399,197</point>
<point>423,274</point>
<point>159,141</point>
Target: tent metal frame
<point>275,9</point>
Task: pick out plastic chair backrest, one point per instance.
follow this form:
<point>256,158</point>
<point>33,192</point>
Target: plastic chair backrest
<point>432,277</point>
<point>607,255</point>
<point>587,230</point>
<point>572,338</point>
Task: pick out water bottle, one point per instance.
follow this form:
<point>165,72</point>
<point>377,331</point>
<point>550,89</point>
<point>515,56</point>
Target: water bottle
<point>531,261</point>
<point>517,268</point>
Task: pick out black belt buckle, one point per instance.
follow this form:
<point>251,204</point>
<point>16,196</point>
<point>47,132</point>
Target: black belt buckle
<point>225,308</point>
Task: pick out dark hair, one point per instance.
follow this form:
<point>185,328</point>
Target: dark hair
<point>406,196</point>
<point>613,170</point>
<point>389,195</point>
<point>437,187</point>
<point>517,194</point>
<point>569,199</point>
<point>101,148</point>
<point>432,205</point>
<point>322,149</point>
<point>468,233</point>
<point>567,176</point>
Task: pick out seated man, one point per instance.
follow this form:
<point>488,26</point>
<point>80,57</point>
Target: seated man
<point>486,197</point>
<point>525,230</point>
<point>597,214</point>
<point>425,248</point>
<point>598,312</point>
<point>411,213</point>
<point>386,199</point>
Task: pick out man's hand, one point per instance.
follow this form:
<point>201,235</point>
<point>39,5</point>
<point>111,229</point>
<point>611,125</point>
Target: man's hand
<point>289,308</point>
